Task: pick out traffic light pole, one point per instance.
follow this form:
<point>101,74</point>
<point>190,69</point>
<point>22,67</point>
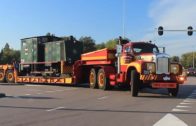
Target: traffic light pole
<point>189,30</point>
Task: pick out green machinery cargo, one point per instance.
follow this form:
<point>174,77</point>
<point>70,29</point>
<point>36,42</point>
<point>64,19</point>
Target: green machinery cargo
<point>32,49</point>
<point>65,50</point>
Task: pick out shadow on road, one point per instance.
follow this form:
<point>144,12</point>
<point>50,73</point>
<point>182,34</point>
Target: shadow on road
<point>29,97</point>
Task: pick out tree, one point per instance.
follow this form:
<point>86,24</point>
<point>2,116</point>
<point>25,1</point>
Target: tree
<point>111,44</point>
<point>88,44</point>
<point>50,34</point>
<point>100,46</point>
<point>175,59</point>
<point>187,59</point>
<point>7,55</point>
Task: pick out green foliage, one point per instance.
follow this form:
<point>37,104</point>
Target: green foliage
<point>7,55</point>
<point>100,46</point>
<point>88,44</point>
<point>68,38</point>
<point>50,34</point>
<point>187,59</point>
<point>175,59</point>
<point>111,44</point>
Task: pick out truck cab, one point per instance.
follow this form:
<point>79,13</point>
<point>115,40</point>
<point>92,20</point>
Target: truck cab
<point>144,65</point>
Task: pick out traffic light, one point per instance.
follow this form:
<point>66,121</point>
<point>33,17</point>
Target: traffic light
<point>190,30</point>
<point>160,30</point>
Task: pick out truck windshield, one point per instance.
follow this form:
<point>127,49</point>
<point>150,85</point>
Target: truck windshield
<point>145,48</point>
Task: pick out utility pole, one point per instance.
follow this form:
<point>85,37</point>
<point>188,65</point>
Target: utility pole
<point>193,60</point>
<point>123,17</point>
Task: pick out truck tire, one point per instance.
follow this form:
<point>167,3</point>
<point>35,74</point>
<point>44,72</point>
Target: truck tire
<point>10,76</point>
<point>2,76</point>
<point>173,91</point>
<point>135,82</point>
<point>103,81</point>
<point>93,79</point>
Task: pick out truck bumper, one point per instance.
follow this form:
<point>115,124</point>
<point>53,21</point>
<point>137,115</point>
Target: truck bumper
<point>163,78</point>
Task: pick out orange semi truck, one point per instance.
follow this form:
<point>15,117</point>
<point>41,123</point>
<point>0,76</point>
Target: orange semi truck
<point>132,64</point>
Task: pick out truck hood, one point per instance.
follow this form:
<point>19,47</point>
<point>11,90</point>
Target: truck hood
<point>151,57</point>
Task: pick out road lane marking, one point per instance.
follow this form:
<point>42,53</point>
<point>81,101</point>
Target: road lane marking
<point>39,93</point>
<point>58,108</point>
<point>27,94</point>
<point>189,101</point>
<point>170,120</point>
<point>180,106</point>
<point>50,91</point>
<point>104,97</point>
<point>185,103</point>
<point>179,110</point>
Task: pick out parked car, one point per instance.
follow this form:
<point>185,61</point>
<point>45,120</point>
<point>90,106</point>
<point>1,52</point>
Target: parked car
<point>191,72</point>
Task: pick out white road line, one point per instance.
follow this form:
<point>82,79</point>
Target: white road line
<point>179,110</point>
<point>27,94</point>
<point>185,103</point>
<point>39,93</point>
<point>180,106</point>
<point>49,110</point>
<point>104,97</point>
<point>50,91</point>
<point>186,100</point>
<point>170,120</point>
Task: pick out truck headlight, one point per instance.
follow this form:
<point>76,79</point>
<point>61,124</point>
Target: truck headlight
<point>151,67</point>
<point>174,68</point>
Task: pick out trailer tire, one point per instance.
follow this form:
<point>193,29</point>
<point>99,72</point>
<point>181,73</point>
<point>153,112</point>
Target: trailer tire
<point>93,79</point>
<point>2,76</point>
<point>10,76</point>
<point>173,91</point>
<point>135,83</point>
<point>103,81</point>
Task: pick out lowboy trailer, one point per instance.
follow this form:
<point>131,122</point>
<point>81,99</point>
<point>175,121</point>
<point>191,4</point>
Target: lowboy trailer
<point>132,64</point>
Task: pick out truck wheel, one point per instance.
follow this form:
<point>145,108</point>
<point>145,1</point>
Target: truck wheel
<point>93,79</point>
<point>135,82</point>
<point>103,81</point>
<point>10,76</point>
<point>2,76</point>
<point>173,91</point>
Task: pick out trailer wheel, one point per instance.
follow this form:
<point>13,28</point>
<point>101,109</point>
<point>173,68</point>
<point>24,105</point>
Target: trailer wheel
<point>135,82</point>
<point>93,79</point>
<point>2,76</point>
<point>103,81</point>
<point>173,91</point>
<point>10,76</point>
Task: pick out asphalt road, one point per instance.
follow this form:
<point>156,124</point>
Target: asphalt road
<point>41,105</point>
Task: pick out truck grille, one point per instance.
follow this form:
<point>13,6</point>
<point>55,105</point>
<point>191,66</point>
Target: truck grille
<point>162,65</point>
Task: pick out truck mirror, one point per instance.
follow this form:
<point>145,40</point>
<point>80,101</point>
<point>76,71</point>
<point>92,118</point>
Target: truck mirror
<point>190,31</point>
<point>160,30</point>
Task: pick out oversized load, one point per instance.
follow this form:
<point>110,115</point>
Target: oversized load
<point>32,49</point>
<point>64,50</point>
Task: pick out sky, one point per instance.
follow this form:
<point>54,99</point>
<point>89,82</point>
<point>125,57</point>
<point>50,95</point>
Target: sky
<point>101,19</point>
